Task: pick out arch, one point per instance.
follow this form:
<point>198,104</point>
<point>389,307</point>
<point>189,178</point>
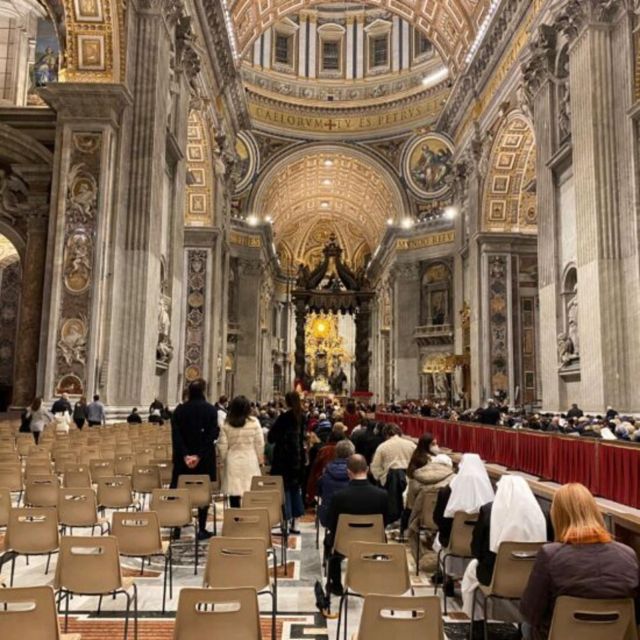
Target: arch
<point>451,26</point>
<point>509,201</point>
<point>334,188</point>
<point>91,34</point>
<point>200,189</point>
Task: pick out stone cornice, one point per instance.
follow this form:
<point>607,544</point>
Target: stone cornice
<point>476,76</point>
<point>222,60</point>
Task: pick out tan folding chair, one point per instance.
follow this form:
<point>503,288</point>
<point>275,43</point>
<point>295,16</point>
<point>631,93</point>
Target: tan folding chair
<point>77,507</point>
<point>77,475</point>
<point>11,478</point>
<point>199,488</point>
<point>217,613</point>
<point>459,545</point>
<point>101,468</point>
<point>139,536</point>
<point>353,528</point>
<point>173,507</point>
<point>271,501</point>
<point>62,459</point>
<point>513,566</point>
<point>41,491</point>
<point>415,618</point>
<point>90,566</point>
<point>38,467</point>
<point>425,522</point>
<point>145,478</point>
<point>249,523</point>
<point>30,613</point>
<point>24,442</point>
<point>116,492</point>
<point>588,619</point>
<point>373,569</point>
<point>124,464</point>
<point>166,470</point>
<point>32,532</point>
<point>241,562</point>
<point>5,507</point>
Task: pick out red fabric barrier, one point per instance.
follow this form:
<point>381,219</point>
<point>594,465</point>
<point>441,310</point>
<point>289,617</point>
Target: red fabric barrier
<point>619,474</point>
<point>609,470</point>
<point>535,454</point>
<point>574,460</point>
<point>506,448</point>
<point>484,443</point>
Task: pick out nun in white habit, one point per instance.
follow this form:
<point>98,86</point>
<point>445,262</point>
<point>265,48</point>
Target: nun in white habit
<point>515,516</point>
<point>470,489</point>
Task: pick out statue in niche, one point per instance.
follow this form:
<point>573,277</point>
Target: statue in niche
<point>164,348</point>
<point>337,381</point>
<point>440,384</point>
<point>565,349</point>
<point>572,325</point>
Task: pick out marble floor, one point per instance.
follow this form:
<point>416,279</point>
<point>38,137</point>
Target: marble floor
<point>297,616</point>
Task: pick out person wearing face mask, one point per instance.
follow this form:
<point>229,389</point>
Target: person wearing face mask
<point>428,471</point>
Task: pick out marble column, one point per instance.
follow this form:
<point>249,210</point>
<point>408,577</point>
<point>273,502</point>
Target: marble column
<point>300,322</point>
<point>363,352</point>
<point>539,93</point>
<point>600,275</point>
<point>360,46</point>
<point>31,304</point>
<point>83,204</point>
<point>406,319</point>
<point>312,47</point>
<point>134,328</point>
<point>302,46</point>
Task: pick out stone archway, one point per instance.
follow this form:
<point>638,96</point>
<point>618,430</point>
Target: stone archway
<point>509,200</point>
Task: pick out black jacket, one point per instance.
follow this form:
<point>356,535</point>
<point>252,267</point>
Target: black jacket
<point>60,406</point>
<point>490,415</point>
<point>444,524</point>
<point>480,542</point>
<point>366,441</point>
<point>285,435</point>
<point>360,498</point>
<point>134,418</point>
<point>194,430</point>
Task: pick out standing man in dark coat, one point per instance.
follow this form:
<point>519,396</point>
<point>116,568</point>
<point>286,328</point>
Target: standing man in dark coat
<point>194,432</point>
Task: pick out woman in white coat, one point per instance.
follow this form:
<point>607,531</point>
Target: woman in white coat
<point>38,418</point>
<point>241,449</point>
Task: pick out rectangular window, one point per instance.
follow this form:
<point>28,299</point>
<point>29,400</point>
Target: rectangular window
<point>379,51</point>
<point>331,55</point>
<point>284,49</point>
<point>423,45</point>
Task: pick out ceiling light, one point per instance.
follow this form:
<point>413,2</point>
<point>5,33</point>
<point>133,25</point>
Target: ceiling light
<point>327,182</point>
<point>436,77</point>
<point>328,163</point>
<point>407,222</point>
<point>268,219</point>
<point>389,221</point>
<point>252,220</point>
<point>482,31</point>
<point>230,28</point>
<point>324,204</point>
<point>450,213</point>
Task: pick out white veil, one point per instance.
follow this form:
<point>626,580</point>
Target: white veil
<point>471,488</point>
<point>516,515</point>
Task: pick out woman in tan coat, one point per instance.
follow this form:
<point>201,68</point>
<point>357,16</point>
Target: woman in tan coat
<point>428,471</point>
<point>241,449</point>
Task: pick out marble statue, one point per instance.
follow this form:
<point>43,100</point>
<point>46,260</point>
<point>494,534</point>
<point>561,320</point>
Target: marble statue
<point>572,325</point>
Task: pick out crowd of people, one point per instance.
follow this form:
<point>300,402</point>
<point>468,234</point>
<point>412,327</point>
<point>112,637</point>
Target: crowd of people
<point>339,461</point>
<point>609,425</point>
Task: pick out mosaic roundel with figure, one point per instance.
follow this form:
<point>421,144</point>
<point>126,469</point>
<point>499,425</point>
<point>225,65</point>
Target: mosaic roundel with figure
<point>427,165</point>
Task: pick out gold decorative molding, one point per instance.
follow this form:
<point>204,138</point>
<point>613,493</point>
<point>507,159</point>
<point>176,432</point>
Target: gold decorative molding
<point>245,240</point>
<point>199,192</point>
<point>276,116</point>
<point>422,242</point>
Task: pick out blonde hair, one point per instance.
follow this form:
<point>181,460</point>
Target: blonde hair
<point>576,518</point>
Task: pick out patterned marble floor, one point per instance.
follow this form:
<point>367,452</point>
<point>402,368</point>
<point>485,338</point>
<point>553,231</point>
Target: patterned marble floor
<point>297,616</point>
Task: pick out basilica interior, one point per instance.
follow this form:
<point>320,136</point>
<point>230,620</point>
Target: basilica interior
<point>387,200</point>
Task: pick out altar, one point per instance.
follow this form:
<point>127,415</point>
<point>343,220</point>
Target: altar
<point>333,316</point>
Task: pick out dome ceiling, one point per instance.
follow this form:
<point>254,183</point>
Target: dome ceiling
<point>325,189</point>
<point>451,26</point>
